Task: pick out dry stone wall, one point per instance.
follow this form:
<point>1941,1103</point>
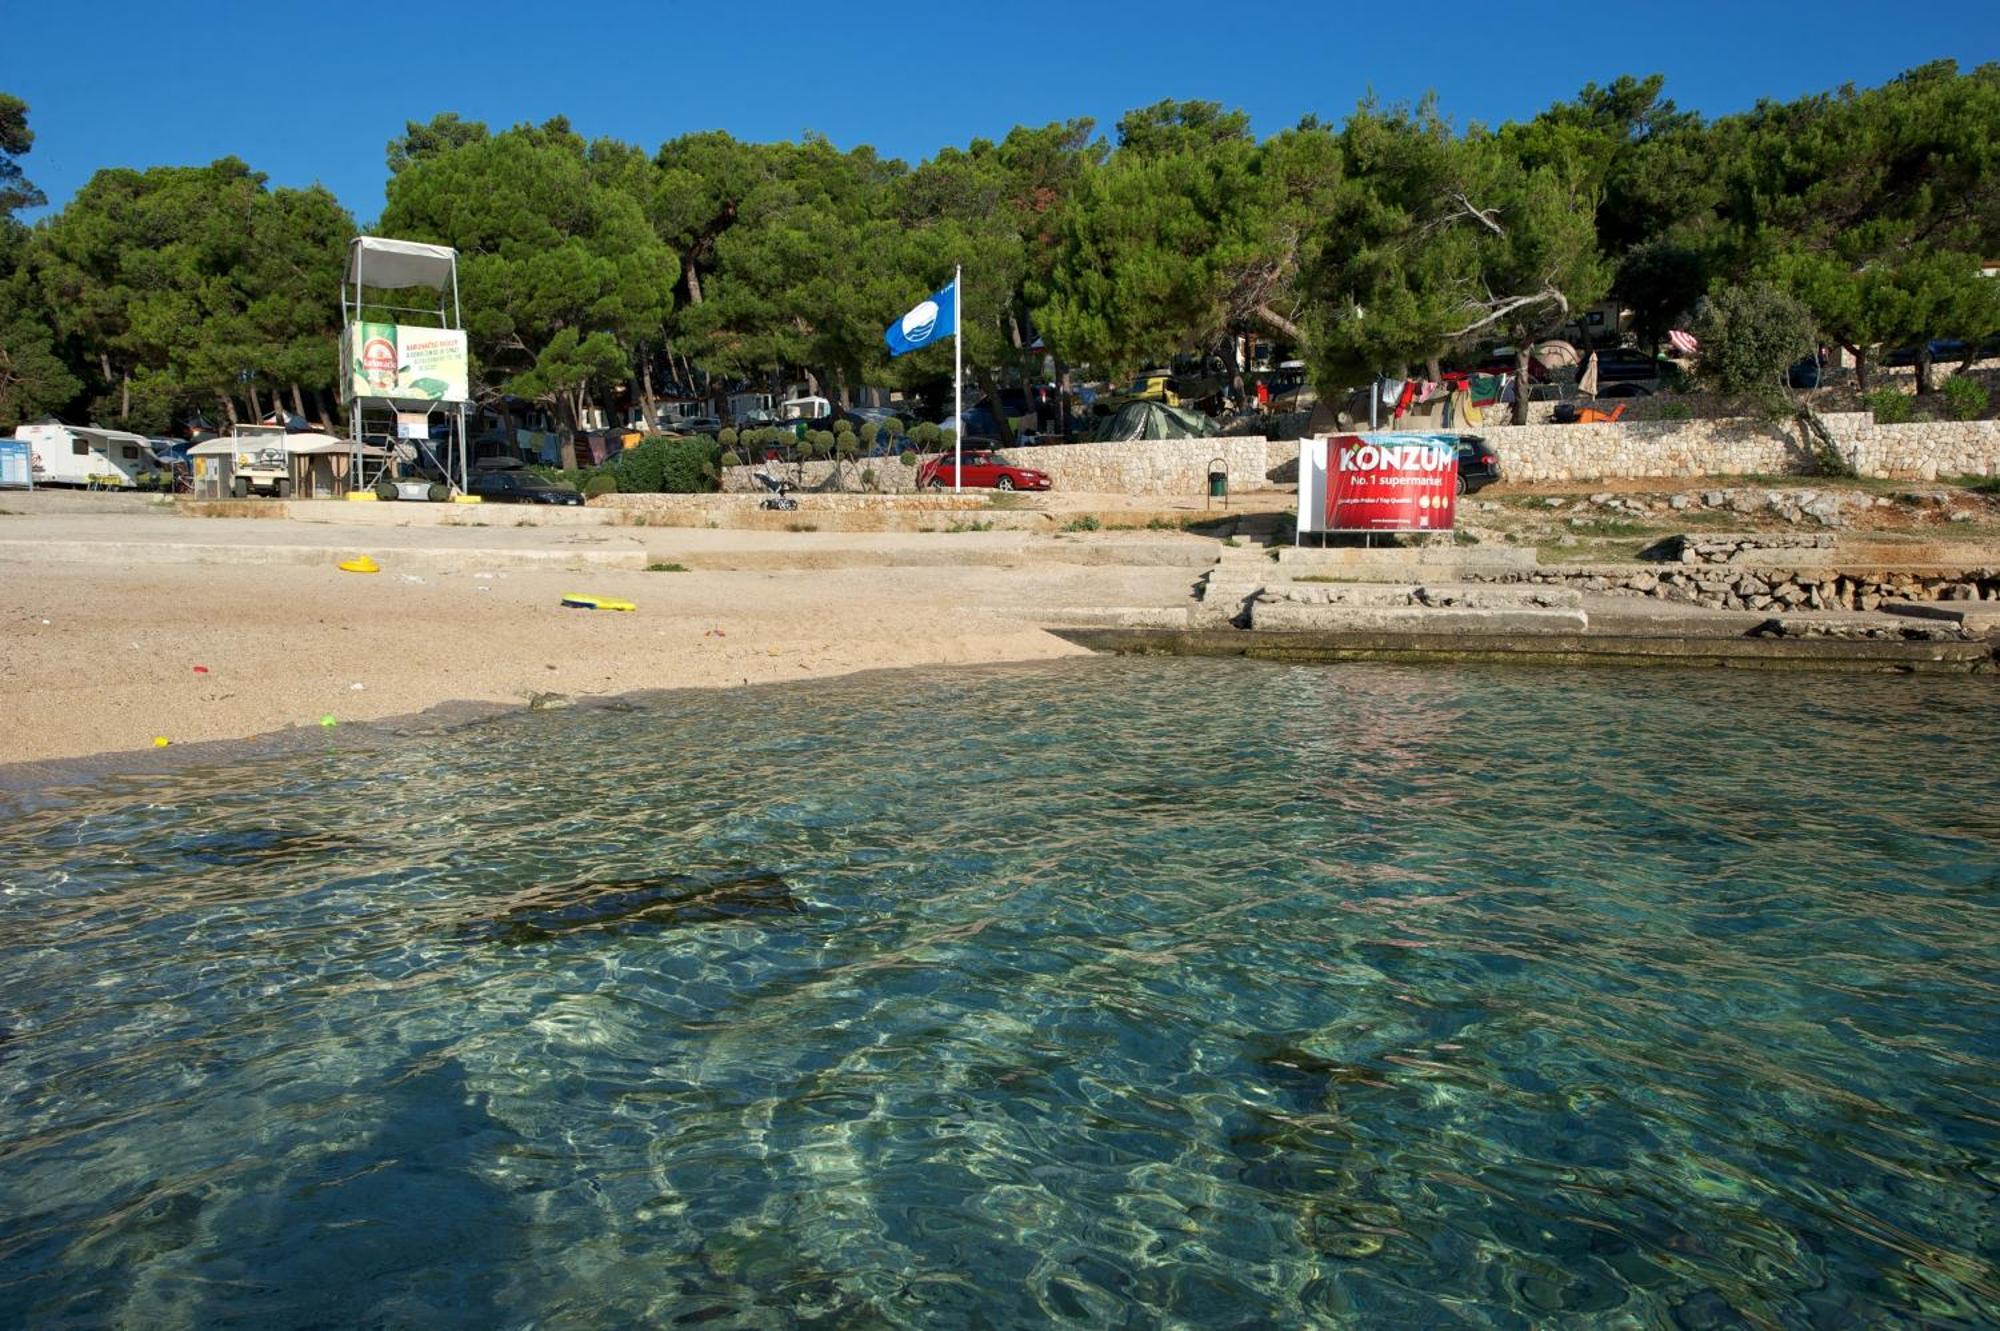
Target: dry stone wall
<point>1740,447</point>
<point>1178,468</point>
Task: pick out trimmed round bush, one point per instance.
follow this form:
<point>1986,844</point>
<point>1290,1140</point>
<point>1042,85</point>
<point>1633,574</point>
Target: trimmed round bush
<point>870,432</point>
<point>907,457</point>
<point>603,483</point>
<point>732,459</point>
<point>727,438</point>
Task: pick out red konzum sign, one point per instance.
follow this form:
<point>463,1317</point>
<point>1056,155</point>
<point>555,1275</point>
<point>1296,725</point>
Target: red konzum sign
<point>1391,482</point>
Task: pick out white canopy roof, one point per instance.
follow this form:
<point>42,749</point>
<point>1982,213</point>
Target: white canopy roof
<point>294,443</point>
<point>382,262</point>
<point>99,435</point>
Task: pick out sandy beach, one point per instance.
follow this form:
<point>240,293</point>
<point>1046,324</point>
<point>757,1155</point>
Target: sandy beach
<point>102,656</point>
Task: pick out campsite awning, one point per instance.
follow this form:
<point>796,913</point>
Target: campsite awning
<point>385,263</point>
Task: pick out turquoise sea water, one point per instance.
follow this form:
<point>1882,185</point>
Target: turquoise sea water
<point>1101,993</point>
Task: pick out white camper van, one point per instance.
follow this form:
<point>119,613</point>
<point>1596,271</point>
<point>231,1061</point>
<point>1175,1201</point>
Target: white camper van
<point>87,455</point>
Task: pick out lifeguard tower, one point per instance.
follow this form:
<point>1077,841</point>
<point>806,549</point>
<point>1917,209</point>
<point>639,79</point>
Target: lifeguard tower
<point>403,358</point>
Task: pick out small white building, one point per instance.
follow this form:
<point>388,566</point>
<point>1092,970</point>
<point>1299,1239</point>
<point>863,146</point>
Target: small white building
<point>87,455</point>
<point>315,466</point>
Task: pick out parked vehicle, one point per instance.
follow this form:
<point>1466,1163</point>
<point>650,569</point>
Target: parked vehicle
<point>263,461</point>
<point>814,412</point>
<point>86,454</point>
<point>1945,348</point>
<point>1625,364</point>
<point>983,468</point>
<point>1625,390</point>
<point>696,425</point>
<point>1478,464</point>
<point>749,409</point>
<point>508,486</point>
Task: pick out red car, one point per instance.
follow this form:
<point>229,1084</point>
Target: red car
<point>983,467</point>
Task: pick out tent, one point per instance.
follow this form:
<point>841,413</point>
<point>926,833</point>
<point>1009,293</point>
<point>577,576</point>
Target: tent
<point>1153,420</point>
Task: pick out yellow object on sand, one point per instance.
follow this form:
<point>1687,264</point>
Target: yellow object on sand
<point>576,602</point>
<point>161,741</point>
<point>362,497</point>
<point>467,499</point>
<point>362,565</point>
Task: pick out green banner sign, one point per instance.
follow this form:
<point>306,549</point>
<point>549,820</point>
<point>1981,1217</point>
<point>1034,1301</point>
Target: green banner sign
<point>406,364</point>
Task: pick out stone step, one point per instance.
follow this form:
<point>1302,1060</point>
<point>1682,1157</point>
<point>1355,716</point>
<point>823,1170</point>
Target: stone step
<point>1287,615</point>
<point>1972,616</point>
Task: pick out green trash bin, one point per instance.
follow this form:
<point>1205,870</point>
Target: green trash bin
<point>1218,482</point>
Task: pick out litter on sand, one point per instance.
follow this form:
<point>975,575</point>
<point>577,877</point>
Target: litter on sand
<point>577,602</point>
<point>327,720</point>
<point>360,564</point>
<point>161,741</point>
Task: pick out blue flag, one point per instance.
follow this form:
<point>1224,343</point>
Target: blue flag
<point>932,320</point>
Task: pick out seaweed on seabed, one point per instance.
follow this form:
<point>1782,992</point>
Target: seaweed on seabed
<point>664,901</point>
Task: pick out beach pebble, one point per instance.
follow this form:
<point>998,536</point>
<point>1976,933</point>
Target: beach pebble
<point>355,686</point>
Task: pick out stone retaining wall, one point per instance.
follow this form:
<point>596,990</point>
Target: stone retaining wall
<point>1169,468</point>
<point>1742,447</point>
<point>1722,587</point>
<point>1178,468</point>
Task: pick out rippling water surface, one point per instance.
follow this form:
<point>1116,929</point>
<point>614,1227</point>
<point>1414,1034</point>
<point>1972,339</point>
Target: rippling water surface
<point>1099,993</point>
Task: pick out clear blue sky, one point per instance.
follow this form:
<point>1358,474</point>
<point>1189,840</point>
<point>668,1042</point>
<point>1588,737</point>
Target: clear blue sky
<point>313,92</point>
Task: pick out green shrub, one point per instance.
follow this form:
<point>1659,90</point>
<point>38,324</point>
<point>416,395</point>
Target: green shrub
<point>868,478</point>
<point>727,438</point>
<point>732,458</point>
<point>846,445</point>
<point>1676,411</point>
<point>926,435</point>
<point>892,426</point>
<point>1891,406</point>
<point>668,465</point>
<point>1087,522</point>
<point>870,431</point>
<point>1965,399</point>
<point>907,457</point>
<point>603,483</point>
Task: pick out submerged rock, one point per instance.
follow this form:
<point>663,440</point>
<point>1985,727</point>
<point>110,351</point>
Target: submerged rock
<point>627,905</point>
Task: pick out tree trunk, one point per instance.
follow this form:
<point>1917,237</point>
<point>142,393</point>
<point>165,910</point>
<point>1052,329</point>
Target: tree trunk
<point>1860,355</point>
<point>325,410</point>
<point>1233,345</point>
<point>228,408</point>
<point>125,395</point>
<point>694,283</point>
<point>298,400</point>
<point>1521,358</point>
<point>646,402</point>
<point>256,404</point>
<point>984,378</point>
<point>1924,388</point>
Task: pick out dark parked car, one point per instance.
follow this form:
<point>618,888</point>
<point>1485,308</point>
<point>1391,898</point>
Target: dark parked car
<point>983,467</point>
<point>1478,464</point>
<point>520,487</point>
<point>1623,364</point>
<point>1625,390</point>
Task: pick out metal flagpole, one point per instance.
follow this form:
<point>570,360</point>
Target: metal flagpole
<point>957,379</point>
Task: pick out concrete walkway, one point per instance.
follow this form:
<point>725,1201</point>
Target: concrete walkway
<point>139,538</point>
